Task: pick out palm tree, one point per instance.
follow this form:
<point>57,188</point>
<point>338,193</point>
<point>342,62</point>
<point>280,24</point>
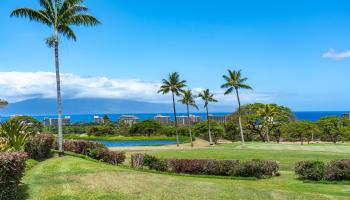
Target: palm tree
<point>175,86</point>
<point>235,81</point>
<point>207,97</point>
<point>60,16</point>
<point>268,112</point>
<point>188,100</point>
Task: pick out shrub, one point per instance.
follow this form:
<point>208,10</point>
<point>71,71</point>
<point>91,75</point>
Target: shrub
<point>137,160</point>
<point>112,157</point>
<point>4,144</point>
<point>94,150</point>
<point>207,167</point>
<point>258,169</point>
<point>155,163</point>
<point>221,167</point>
<point>39,146</point>
<point>312,170</point>
<point>338,170</point>
<point>12,166</point>
<point>84,147</point>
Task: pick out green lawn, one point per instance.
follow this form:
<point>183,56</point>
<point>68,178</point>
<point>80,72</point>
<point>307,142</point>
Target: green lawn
<point>76,178</point>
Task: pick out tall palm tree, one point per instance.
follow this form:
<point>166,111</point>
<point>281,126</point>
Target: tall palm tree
<point>234,82</point>
<point>268,112</point>
<point>207,97</point>
<point>59,15</point>
<point>188,100</point>
<point>175,86</point>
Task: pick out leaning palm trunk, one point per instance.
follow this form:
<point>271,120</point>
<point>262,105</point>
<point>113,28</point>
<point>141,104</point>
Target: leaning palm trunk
<point>59,100</point>
<point>239,117</point>
<point>175,121</point>
<point>209,132</point>
<point>189,125</point>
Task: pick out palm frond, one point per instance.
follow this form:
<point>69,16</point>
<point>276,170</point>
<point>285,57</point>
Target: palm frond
<point>67,32</point>
<point>32,15</point>
<point>82,19</point>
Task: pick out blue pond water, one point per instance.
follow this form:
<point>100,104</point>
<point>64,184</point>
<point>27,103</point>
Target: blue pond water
<point>123,143</point>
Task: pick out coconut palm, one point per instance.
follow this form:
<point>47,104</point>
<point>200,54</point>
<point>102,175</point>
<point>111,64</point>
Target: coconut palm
<point>175,86</point>
<point>188,100</point>
<point>234,82</point>
<point>59,15</point>
<point>268,112</point>
<point>207,97</point>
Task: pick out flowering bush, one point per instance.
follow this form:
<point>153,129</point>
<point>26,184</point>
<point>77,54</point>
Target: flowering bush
<point>338,170</point>
<point>12,166</point>
<point>39,146</point>
<point>312,170</point>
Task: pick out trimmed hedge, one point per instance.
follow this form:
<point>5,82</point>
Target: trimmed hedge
<point>337,170</point>
<point>12,166</point>
<point>258,168</point>
<point>311,170</point>
<point>94,150</point>
<point>254,168</point>
<point>39,146</point>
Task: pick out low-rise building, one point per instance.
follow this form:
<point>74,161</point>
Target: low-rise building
<point>129,119</point>
<point>183,120</point>
<point>98,119</point>
<point>162,119</point>
<point>54,121</point>
<point>219,119</point>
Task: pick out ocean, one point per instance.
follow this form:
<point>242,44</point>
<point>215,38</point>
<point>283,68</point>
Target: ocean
<point>301,115</point>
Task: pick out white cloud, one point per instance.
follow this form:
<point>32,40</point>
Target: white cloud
<point>331,53</point>
<point>17,86</point>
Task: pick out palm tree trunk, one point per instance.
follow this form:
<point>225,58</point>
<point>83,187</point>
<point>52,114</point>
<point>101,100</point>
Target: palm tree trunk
<point>209,132</point>
<point>59,100</point>
<point>239,117</point>
<point>175,120</point>
<point>189,124</point>
<point>267,133</point>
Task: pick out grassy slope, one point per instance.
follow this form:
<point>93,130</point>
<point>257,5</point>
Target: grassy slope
<point>75,178</point>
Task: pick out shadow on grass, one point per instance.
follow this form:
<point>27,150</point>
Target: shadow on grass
<point>22,192</point>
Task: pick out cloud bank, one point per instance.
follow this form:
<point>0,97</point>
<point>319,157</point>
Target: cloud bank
<point>18,86</point>
<point>332,54</point>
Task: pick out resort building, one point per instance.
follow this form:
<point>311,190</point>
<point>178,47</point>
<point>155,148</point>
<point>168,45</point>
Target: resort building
<point>98,119</point>
<point>129,119</point>
<point>183,120</point>
<point>162,119</point>
<point>219,119</point>
<point>54,121</point>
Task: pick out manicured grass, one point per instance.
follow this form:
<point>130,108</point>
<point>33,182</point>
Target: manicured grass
<point>286,154</point>
<point>116,138</point>
<point>75,178</point>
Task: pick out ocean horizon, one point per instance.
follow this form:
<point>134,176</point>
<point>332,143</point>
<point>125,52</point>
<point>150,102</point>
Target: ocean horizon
<point>300,115</point>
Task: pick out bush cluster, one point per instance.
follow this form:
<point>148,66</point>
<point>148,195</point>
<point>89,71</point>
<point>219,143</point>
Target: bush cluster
<point>258,168</point>
<point>253,168</point>
<point>39,146</point>
<point>12,166</point>
<point>336,170</point>
<point>94,150</point>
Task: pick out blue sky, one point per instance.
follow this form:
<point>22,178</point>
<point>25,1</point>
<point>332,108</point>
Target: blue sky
<point>294,53</point>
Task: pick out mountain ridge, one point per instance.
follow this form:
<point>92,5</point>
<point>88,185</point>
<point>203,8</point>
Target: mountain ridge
<point>41,106</point>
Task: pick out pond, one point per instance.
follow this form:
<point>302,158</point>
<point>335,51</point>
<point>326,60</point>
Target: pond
<point>123,143</point>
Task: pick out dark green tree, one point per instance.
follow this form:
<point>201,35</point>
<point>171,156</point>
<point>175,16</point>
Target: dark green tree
<point>334,128</point>
<point>147,127</point>
<point>300,130</point>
